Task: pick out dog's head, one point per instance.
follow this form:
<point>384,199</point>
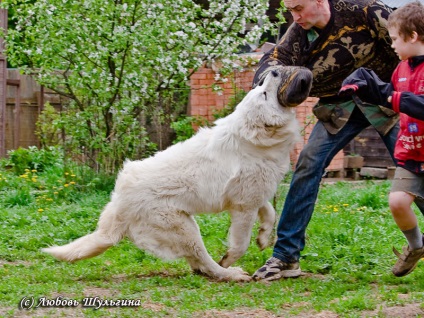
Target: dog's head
<point>290,84</point>
<point>271,102</point>
<point>266,115</point>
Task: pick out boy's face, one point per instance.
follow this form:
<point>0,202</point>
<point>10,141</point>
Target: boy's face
<point>403,48</point>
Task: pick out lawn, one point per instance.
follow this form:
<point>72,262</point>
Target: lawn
<point>346,262</point>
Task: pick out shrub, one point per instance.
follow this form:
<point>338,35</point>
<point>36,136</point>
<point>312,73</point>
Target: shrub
<point>33,158</point>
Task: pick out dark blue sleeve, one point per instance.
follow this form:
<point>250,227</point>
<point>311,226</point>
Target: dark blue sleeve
<point>412,105</point>
<point>371,89</point>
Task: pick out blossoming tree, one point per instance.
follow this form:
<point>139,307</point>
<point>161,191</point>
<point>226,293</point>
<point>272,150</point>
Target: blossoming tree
<point>123,65</point>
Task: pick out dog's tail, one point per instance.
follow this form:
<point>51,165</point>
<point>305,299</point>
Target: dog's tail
<point>108,233</point>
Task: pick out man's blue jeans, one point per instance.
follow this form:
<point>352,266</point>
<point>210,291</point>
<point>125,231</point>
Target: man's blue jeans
<point>314,158</point>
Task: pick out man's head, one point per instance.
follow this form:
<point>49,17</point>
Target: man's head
<point>406,29</point>
<point>309,13</point>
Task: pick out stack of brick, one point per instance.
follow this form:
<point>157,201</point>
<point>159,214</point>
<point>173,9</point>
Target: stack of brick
<point>204,101</point>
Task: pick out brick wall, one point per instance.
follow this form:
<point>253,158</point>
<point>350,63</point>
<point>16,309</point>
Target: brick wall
<point>203,101</point>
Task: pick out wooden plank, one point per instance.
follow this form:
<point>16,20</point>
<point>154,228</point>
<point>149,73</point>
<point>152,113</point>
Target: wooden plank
<point>17,120</point>
<point>3,66</point>
<point>369,145</point>
<point>3,76</point>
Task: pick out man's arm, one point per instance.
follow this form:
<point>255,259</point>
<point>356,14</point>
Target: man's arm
<point>377,16</point>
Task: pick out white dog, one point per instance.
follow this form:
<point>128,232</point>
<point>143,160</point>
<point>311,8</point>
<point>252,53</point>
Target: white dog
<point>235,166</point>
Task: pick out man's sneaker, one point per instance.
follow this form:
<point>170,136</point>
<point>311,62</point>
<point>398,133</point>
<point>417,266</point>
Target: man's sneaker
<point>407,261</point>
<point>275,269</point>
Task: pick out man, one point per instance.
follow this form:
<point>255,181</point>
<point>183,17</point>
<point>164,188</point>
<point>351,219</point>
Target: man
<point>332,38</point>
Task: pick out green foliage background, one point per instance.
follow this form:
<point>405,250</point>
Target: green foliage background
<point>123,66</point>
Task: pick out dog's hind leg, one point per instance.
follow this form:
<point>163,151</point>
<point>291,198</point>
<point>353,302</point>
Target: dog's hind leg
<point>109,232</point>
<point>239,237</point>
<point>267,220</point>
<point>175,234</point>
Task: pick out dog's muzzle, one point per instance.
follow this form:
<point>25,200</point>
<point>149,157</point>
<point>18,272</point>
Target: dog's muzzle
<point>295,85</point>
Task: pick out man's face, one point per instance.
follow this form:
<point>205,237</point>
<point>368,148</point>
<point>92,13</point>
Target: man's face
<point>304,12</point>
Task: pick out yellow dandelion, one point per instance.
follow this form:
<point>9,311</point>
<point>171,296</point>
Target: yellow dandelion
<point>40,210</point>
<point>73,176</point>
<point>72,182</point>
<point>33,170</point>
<point>26,170</point>
<point>66,185</point>
<point>345,204</point>
<point>335,210</point>
<point>34,179</point>
<point>55,192</point>
<point>66,173</point>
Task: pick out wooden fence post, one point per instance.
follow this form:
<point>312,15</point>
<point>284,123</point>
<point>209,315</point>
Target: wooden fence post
<point>3,83</point>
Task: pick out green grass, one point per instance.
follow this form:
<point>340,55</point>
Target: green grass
<point>346,262</point>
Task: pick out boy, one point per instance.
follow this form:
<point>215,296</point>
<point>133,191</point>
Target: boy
<point>404,95</point>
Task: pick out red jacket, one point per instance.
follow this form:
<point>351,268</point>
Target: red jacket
<point>408,100</point>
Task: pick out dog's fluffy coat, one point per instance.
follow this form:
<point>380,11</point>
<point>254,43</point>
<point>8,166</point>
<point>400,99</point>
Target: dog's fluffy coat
<point>235,166</point>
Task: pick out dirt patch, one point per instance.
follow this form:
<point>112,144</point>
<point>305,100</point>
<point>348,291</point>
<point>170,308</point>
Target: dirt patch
<point>75,312</point>
<point>244,313</point>
<point>99,292</point>
<point>14,263</point>
<point>406,311</point>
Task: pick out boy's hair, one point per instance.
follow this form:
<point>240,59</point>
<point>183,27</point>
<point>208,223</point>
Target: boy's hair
<point>407,19</point>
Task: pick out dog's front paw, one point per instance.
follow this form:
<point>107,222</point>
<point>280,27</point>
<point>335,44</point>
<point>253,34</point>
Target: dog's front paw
<point>236,274</point>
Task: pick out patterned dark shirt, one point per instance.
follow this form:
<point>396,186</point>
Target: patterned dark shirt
<point>355,36</point>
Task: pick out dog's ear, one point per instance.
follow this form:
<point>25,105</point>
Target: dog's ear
<point>264,75</point>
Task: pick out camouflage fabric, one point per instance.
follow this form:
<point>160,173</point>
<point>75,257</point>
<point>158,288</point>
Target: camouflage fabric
<point>335,115</point>
<point>355,36</point>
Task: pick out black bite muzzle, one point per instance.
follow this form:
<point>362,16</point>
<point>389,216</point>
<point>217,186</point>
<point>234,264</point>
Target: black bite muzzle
<point>295,86</point>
